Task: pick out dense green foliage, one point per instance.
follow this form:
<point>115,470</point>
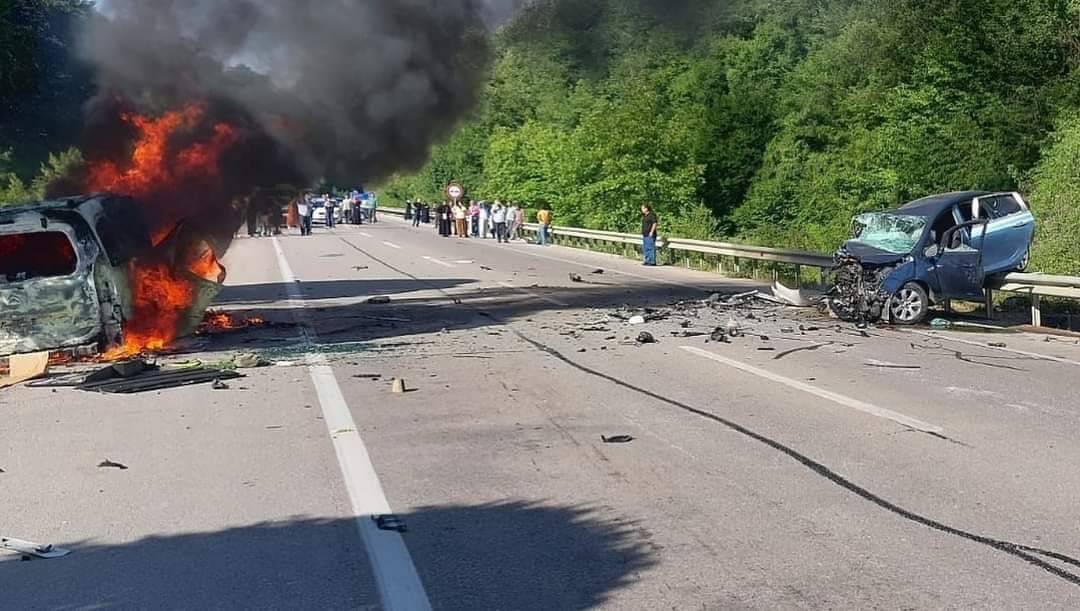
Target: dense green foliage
<point>42,90</point>
<point>775,121</point>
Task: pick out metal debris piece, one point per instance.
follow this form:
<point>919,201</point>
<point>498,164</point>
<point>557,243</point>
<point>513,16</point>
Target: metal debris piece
<point>766,349</point>
<point>792,297</point>
<point>575,278</point>
<point>886,365</point>
<point>485,268</point>
<point>368,376</point>
<point>398,386</point>
<point>719,334</point>
<point>645,338</point>
<point>997,345</point>
<point>390,522</point>
<point>597,271</point>
<point>109,464</point>
<point>357,268</point>
<point>29,548</point>
<point>636,320</point>
<point>378,300</point>
<point>219,385</point>
<point>617,438</point>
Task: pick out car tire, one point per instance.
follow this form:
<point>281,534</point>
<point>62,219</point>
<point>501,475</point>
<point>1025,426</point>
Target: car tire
<point>1024,262</point>
<point>909,305</point>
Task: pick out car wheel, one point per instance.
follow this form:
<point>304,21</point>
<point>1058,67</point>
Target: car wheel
<point>1024,262</point>
<point>909,305</point>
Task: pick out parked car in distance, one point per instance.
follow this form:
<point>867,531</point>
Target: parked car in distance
<point>318,213</point>
<point>898,263</point>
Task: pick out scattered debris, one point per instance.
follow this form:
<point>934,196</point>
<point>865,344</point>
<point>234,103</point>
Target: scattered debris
<point>29,548</point>
<point>791,297</point>
<point>719,334</point>
<point>486,268</point>
<point>997,345</point>
<point>597,271</point>
<point>886,365</point>
<point>645,338</point>
<point>583,349</point>
<point>940,323</point>
<point>390,522</point>
<point>109,464</point>
<point>689,333</point>
<point>617,438</point>
<point>398,386</point>
<point>733,328</point>
<point>219,385</point>
<point>809,348</point>
<point>636,320</point>
<point>378,300</point>
<point>766,349</point>
<point>358,268</point>
<point>368,376</point>
<point>575,278</point>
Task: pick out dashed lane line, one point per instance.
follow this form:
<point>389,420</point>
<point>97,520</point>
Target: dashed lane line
<point>855,404</point>
<point>399,584</point>
<point>437,261</point>
<point>392,245</point>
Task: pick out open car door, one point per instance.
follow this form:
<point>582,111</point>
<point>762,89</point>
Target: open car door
<point>1009,231</point>
<point>959,265</point>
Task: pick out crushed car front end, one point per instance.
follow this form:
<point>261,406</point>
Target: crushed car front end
<point>873,267</point>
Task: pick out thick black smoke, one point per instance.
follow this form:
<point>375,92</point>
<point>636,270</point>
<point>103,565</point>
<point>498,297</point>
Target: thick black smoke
<point>351,90</point>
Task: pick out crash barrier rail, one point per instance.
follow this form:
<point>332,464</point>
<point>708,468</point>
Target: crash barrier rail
<point>1035,285</point>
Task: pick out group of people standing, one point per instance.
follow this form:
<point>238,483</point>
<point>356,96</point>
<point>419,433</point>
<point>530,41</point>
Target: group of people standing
<point>504,222</point>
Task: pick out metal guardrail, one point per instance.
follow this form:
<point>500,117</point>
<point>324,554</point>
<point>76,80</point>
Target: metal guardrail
<point>1032,284</point>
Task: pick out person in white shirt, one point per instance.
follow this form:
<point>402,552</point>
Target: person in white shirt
<point>498,216</point>
<point>304,210</point>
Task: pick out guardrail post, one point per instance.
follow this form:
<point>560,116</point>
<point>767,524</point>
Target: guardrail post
<point>798,276</point>
<point>1036,310</point>
<point>989,304</point>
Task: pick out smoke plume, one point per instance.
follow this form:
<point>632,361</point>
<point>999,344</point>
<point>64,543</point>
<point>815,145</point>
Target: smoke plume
<point>347,90</point>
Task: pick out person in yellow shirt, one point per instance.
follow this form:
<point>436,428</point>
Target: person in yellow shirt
<point>544,218</point>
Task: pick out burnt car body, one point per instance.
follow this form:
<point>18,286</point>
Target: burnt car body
<point>933,249</point>
<point>63,281</point>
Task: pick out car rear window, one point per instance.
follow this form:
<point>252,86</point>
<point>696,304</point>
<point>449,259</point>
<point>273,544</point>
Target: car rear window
<point>36,255</point>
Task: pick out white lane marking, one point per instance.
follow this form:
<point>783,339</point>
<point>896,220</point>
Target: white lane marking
<point>465,262</point>
<point>399,584</point>
<point>855,404</point>
<point>534,295</point>
<point>437,262</point>
<point>364,234</point>
<point>1034,355</point>
<point>392,245</point>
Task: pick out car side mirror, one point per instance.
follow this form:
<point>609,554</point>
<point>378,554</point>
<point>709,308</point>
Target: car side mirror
<point>932,251</point>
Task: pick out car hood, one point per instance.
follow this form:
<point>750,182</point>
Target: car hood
<point>868,255</point>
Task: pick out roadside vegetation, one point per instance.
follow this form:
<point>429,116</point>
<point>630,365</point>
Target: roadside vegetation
<point>775,122</point>
<point>765,121</point>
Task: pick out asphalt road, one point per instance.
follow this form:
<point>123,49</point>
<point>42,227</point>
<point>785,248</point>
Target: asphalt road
<point>822,467</point>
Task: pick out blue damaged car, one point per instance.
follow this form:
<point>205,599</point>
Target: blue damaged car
<point>898,263</point>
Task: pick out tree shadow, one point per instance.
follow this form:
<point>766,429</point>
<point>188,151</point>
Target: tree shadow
<point>255,294</point>
<point>454,310</point>
<point>507,555</point>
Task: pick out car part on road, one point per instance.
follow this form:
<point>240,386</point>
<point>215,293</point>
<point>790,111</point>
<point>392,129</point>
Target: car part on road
<point>111,464</point>
<point>886,365</point>
<point>25,367</point>
<point>31,549</point>
<point>617,439</point>
<point>159,380</point>
<point>219,385</point>
<point>379,300</point>
<point>390,522</point>
<point>575,278</point>
<point>645,338</point>
<point>398,387</point>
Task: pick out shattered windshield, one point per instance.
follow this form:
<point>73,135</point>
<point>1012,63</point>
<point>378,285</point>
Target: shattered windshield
<point>895,233</point>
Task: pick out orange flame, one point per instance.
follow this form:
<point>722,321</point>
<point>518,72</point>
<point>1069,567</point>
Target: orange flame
<point>163,293</point>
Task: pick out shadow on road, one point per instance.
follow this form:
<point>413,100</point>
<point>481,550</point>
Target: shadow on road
<point>453,308</point>
<point>509,555</point>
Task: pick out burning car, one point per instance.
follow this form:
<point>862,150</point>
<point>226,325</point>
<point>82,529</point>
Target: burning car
<point>898,263</point>
<point>86,272</point>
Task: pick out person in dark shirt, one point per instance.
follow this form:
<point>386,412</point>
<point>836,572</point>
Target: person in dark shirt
<point>650,225</point>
